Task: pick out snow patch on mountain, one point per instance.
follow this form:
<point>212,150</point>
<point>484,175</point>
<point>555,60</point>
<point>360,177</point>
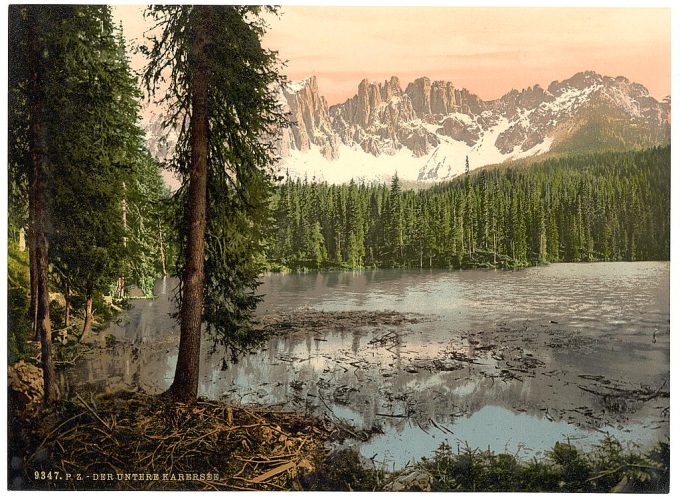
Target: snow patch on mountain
<point>352,164</point>
<point>571,98</point>
<point>295,86</point>
<point>445,162</point>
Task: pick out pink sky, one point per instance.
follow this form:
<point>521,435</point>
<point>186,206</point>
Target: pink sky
<point>487,50</point>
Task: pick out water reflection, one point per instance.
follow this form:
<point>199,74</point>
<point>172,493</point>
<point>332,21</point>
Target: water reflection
<point>574,319</point>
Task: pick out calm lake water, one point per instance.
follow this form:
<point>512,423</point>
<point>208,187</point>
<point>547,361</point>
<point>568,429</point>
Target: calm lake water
<point>549,333</point>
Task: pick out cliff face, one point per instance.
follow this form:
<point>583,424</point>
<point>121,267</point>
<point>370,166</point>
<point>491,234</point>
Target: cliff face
<point>586,112</point>
<point>373,119</point>
<point>433,100</point>
<point>309,112</point>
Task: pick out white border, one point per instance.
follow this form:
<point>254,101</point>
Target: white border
<point>87,496</point>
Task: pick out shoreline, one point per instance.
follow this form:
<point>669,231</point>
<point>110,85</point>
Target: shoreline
<point>129,441</point>
<point>477,368</point>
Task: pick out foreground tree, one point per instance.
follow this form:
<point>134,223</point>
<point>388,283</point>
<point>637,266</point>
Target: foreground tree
<point>37,33</point>
<point>222,100</point>
<point>73,145</point>
<point>101,159</point>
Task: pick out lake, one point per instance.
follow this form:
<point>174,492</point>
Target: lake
<point>503,360</point>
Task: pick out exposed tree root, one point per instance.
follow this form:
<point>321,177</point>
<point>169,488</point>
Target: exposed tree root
<point>137,441</point>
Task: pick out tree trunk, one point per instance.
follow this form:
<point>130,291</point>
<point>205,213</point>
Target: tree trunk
<point>38,189</point>
<point>162,248</point>
<point>32,263</point>
<point>67,308</point>
<point>120,288</point>
<point>87,322</point>
<point>185,384</point>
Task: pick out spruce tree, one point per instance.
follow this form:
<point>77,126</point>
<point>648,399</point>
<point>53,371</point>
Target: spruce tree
<point>99,149</point>
<point>37,42</point>
<point>222,99</point>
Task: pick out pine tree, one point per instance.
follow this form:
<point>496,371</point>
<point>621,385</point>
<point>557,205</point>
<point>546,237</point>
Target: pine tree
<point>395,224</point>
<point>223,100</point>
<point>576,209</point>
<point>39,37</point>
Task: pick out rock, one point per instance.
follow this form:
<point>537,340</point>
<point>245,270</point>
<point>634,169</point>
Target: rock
<point>459,130</point>
<point>391,88</point>
<point>24,382</point>
<point>374,118</point>
<point>419,92</point>
<point>419,140</point>
<point>383,118</point>
<point>414,479</point>
<point>309,112</point>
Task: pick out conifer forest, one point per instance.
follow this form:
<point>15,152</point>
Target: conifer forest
<point>603,207</point>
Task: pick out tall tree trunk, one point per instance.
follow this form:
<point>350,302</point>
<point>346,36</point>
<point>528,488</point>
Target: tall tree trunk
<point>67,308</point>
<point>120,288</point>
<point>185,384</point>
<point>87,322</point>
<point>38,189</point>
<point>32,263</point>
<point>162,248</point>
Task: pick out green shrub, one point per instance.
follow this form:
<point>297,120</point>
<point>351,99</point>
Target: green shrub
<point>608,467</point>
<point>18,303</point>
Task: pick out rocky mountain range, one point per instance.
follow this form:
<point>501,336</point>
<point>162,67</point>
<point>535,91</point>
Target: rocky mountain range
<point>424,130</point>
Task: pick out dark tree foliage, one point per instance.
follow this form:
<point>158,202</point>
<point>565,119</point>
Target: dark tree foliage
<point>96,143</point>
<point>243,120</point>
<point>600,207</point>
<point>36,36</point>
<point>74,146</point>
<point>148,234</point>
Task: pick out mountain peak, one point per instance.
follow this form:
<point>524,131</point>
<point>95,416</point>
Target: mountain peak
<point>295,86</point>
<point>428,129</point>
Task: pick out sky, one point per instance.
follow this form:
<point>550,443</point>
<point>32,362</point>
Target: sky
<point>486,50</point>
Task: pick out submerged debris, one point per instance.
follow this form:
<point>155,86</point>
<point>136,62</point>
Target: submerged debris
<point>621,397</point>
<point>302,322</point>
<point>447,365</point>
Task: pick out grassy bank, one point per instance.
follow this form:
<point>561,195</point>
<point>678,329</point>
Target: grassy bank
<point>607,467</point>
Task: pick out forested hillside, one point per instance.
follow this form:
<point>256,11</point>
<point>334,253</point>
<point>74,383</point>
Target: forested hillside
<point>603,207</point>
